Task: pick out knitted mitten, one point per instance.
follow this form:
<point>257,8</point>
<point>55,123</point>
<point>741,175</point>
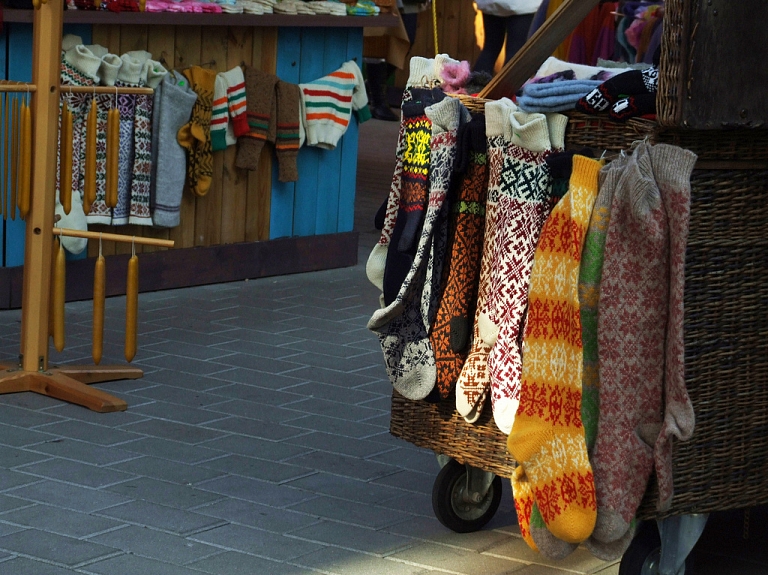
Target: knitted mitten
<point>173,103</point>
<point>672,167</point>
<point>287,96</point>
<point>108,71</point>
<point>196,136</point>
<point>547,437</point>
<point>523,207</point>
<point>629,83</point>
<point>236,102</point>
<point>260,91</point>
<point>152,74</point>
<point>219,115</point>
<point>450,334</point>
<point>408,353</point>
<point>633,107</point>
<point>128,76</point>
<point>473,381</point>
<point>632,318</point>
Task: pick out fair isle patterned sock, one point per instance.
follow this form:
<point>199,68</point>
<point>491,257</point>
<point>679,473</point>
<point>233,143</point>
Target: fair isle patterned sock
<point>632,317</point>
<point>547,437</point>
<point>450,334</point>
<point>672,167</point>
<point>473,381</point>
<point>523,207</point>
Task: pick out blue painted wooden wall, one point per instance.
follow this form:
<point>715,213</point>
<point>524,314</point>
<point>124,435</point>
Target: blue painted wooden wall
<point>322,201</point>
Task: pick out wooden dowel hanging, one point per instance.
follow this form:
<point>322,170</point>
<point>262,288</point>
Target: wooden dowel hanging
<point>113,152</point>
<point>131,307</point>
<point>59,298</point>
<point>65,159</point>
<point>99,282</point>
<point>113,237</point>
<point>89,186</point>
<point>25,169</point>
<point>11,86</point>
<point>106,90</point>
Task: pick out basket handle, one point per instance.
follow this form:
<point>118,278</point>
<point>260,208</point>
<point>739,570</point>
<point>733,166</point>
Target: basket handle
<point>538,48</point>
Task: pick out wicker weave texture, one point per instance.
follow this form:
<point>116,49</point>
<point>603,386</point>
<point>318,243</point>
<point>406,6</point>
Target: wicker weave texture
<point>671,62</point>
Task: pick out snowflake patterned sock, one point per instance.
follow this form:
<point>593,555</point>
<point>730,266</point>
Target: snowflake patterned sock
<point>450,334</point>
<point>129,75</point>
<point>547,437</point>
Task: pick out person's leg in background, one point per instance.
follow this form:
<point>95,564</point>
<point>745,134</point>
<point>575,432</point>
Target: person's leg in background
<point>517,33</point>
<point>494,29</point>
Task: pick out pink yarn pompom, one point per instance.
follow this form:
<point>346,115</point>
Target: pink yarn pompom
<point>455,76</point>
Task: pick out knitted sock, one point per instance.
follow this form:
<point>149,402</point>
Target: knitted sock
<point>450,334</point>
<point>631,332</point>
<point>100,213</point>
<point>152,74</point>
<point>413,198</point>
<point>547,437</point>
<point>236,102</point>
<point>260,90</point>
<point>129,75</point>
<point>174,102</point>
<point>630,83</point>
<point>219,115</point>
<point>672,167</point>
<point>523,207</point>
<point>633,107</point>
<point>407,350</point>
<point>199,152</point>
<point>473,381</point>
<point>287,96</point>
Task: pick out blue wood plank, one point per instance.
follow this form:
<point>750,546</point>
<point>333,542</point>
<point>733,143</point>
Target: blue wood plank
<point>282,199</point>
<point>311,68</point>
<point>346,210</point>
<point>329,171</point>
<point>19,58</point>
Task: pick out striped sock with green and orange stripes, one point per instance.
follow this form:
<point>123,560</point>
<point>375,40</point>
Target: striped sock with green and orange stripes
<point>236,101</point>
<point>219,115</point>
<point>260,90</point>
<point>287,138</point>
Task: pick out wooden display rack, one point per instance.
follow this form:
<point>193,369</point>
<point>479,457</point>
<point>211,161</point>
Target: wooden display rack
<point>32,373</point>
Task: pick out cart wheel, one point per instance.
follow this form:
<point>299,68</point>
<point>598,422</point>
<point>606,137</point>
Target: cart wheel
<point>644,553</point>
<point>450,506</point>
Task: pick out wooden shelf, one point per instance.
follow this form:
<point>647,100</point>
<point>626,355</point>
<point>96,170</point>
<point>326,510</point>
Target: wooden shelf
<point>197,19</point>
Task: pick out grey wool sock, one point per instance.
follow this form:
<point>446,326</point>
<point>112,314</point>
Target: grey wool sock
<point>260,98</point>
<point>175,102</point>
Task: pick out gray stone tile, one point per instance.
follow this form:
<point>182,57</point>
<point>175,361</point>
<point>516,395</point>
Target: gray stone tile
<point>189,350</point>
<point>257,378</point>
<point>430,529</point>
<point>8,528</point>
<point>173,450</point>
<point>82,451</point>
<point>98,434</point>
<point>267,365</point>
<point>178,396</point>
<point>184,365</point>
<point>251,335</point>
<point>254,447</point>
<point>353,537</point>
<point>76,472</point>
<point>60,521</point>
<point>173,431</point>
<point>458,560</point>
<point>338,350</point>
<point>340,394</point>
<point>155,544</point>
<point>29,400</point>
<point>516,548</point>
<point>352,362</point>
<point>255,490</point>
<point>335,444</point>
<point>257,468</point>
<point>177,413</point>
<point>412,457</point>
<point>352,512</point>
<point>10,503</point>
<point>12,479</point>
<point>331,376</point>
<point>260,349</point>
<point>68,496</point>
<point>134,565</point>
<point>255,394</point>
<point>161,517</point>
<point>256,541</point>
<point>335,409</point>
<point>234,563</point>
<point>53,548</point>
<point>304,332</point>
<point>110,420</point>
<point>25,566</point>
<point>416,503</point>
<point>173,472</point>
<point>410,481</point>
<point>148,489</point>
<point>181,336</point>
<point>344,488</point>
<point>346,562</point>
<point>252,427</point>
<point>14,436</point>
<point>344,465</point>
<point>335,426</point>
<point>20,417</point>
<point>254,410</point>
<point>12,457</point>
<point>256,515</point>
<point>187,381</point>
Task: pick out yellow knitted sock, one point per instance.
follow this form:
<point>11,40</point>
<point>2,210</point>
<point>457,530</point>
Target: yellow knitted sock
<point>547,437</point>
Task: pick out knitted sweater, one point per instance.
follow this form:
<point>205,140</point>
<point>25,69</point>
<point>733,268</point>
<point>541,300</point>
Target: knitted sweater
<point>327,105</point>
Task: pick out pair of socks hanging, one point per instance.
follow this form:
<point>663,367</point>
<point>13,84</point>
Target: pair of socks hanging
<point>272,113</point>
<point>228,118</point>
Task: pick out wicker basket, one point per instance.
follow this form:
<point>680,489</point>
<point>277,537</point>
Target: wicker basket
<point>724,465</point>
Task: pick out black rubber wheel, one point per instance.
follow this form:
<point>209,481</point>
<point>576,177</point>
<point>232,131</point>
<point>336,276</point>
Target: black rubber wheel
<point>643,554</point>
<point>449,505</point>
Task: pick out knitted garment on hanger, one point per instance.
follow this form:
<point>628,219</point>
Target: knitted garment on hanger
<point>126,103</point>
<point>100,213</point>
<point>142,161</point>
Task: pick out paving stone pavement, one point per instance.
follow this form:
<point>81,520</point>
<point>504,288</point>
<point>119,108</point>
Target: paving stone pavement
<point>256,443</point>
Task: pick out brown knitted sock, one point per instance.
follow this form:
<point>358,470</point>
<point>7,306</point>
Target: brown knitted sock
<point>197,132</point>
<point>260,97</point>
<point>287,139</point>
